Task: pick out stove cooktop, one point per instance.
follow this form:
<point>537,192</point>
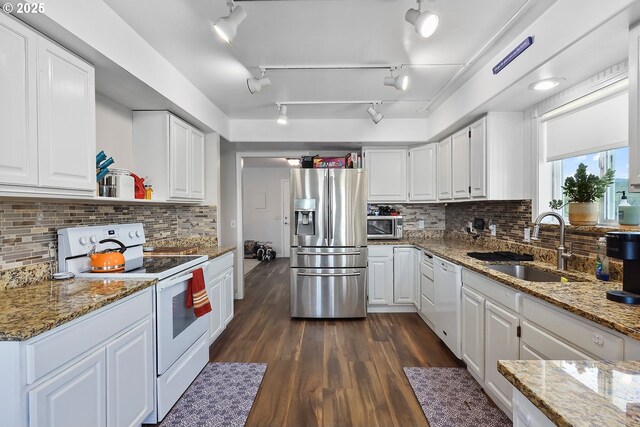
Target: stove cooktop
<point>158,267</point>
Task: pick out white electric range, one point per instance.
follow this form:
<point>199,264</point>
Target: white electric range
<point>181,339</point>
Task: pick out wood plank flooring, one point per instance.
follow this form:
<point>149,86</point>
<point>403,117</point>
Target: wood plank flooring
<point>326,372</point>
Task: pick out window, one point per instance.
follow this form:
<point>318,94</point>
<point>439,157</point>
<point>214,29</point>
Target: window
<point>598,163</point>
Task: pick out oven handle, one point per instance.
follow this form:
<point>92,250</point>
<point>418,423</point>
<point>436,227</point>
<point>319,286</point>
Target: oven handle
<point>329,253</point>
<point>329,274</point>
<point>162,285</point>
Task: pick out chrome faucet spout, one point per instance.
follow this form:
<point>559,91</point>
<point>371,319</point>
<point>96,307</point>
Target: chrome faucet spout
<point>563,256</point>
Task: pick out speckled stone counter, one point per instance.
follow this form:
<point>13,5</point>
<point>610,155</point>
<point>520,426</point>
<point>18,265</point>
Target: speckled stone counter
<point>214,252</point>
<point>29,311</point>
<point>582,294</point>
<point>579,393</point>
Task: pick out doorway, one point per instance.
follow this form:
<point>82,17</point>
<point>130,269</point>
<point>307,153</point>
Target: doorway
<point>285,228</point>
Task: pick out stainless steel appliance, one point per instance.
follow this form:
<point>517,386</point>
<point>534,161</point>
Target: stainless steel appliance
<point>328,243</point>
<point>182,347</point>
<point>384,227</point>
<point>625,245</point>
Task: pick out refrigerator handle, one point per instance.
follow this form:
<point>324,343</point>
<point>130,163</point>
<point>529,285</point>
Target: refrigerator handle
<point>329,221</point>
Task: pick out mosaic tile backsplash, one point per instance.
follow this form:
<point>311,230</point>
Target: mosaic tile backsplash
<point>28,230</point>
<point>433,215</point>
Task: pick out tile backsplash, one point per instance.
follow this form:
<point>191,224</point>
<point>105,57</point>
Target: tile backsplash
<point>28,229</point>
<point>433,215</point>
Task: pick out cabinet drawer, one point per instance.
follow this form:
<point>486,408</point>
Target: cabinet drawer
<point>427,287</point>
<point>49,353</point>
<point>426,270</point>
<point>546,346</point>
<point>492,289</point>
<point>579,333</point>
<point>428,309</point>
<point>380,250</point>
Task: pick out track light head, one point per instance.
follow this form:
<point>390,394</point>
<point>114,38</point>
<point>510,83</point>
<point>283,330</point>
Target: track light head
<point>282,117</point>
<point>376,116</point>
<point>255,84</point>
<point>425,23</point>
<point>400,82</point>
<point>227,26</point>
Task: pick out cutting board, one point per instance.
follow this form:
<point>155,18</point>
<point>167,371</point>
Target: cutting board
<point>173,250</point>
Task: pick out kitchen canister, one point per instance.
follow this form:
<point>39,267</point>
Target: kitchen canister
<point>117,183</point>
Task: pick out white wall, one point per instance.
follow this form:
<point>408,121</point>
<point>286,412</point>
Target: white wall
<point>212,169</point>
<point>263,223</point>
<point>114,131</point>
<point>227,199</point>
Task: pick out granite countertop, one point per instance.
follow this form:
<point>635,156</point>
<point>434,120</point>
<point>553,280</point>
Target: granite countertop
<point>582,294</point>
<point>579,393</point>
<point>31,310</point>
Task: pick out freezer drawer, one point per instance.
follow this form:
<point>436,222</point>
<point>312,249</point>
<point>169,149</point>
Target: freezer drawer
<point>329,257</point>
<point>328,292</point>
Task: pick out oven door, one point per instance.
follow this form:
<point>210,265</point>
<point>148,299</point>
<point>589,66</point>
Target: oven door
<point>381,228</point>
<point>178,326</point>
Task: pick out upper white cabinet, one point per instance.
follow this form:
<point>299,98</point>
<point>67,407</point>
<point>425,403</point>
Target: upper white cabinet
<point>634,108</point>
<point>478,159</point>
<point>460,164</point>
<point>444,169</point>
<point>163,141</point>
<point>47,115</point>
<point>386,174</point>
<point>423,173</point>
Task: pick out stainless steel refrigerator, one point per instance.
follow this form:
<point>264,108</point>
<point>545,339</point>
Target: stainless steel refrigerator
<point>328,243</point>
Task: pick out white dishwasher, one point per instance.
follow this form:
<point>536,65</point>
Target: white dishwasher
<point>448,288</point>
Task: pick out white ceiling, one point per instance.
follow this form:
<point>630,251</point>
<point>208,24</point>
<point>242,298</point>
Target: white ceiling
<point>324,33</point>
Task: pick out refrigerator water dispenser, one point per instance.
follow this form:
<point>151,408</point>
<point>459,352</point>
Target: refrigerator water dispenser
<point>305,214</point>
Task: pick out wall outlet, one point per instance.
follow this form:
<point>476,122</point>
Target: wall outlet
<point>492,229</point>
<point>527,234</point>
<point>421,224</point>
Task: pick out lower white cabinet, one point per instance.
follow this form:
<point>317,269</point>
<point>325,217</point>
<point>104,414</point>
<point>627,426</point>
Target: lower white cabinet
<point>525,414</point>
<point>427,290</point>
<point>393,279</point>
<point>220,293</point>
<point>76,397</point>
<point>472,332</point>
<point>501,343</point>
<point>380,275</point>
<point>404,275</point>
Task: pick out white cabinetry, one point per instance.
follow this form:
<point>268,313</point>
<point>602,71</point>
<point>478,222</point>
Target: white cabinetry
<point>460,164</point>
<point>472,332</point>
<point>427,290</point>
<point>444,169</point>
<point>220,292</point>
<point>380,275</point>
<point>386,174</point>
<point>47,115</point>
<point>423,176</point>
<point>447,284</point>
<point>478,159</point>
<point>165,143</point>
<point>404,275</point>
<point>525,414</point>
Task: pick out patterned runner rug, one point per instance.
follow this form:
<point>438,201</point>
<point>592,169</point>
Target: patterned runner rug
<point>450,397</point>
<point>221,396</point>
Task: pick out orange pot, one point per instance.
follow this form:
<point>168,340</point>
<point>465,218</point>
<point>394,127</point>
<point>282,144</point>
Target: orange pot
<point>109,260</point>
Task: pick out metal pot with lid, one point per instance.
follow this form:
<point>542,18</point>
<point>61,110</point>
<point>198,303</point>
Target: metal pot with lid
<point>108,260</point>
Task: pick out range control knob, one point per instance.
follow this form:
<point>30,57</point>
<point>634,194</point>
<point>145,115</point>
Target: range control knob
<point>83,240</point>
<point>93,239</point>
<point>132,234</point>
<point>138,233</point>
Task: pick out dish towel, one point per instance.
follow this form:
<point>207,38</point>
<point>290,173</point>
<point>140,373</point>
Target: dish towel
<point>197,294</point>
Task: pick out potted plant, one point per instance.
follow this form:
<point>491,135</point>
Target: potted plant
<point>582,192</point>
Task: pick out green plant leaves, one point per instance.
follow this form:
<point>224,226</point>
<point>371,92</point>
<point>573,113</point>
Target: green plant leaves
<point>586,188</point>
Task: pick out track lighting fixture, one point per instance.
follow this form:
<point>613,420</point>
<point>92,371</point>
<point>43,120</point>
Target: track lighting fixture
<point>400,82</point>
<point>376,116</point>
<point>255,84</point>
<point>425,23</point>
<point>227,26</point>
<point>282,117</point>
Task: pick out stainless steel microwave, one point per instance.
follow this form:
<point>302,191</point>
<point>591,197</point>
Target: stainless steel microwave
<point>384,227</point>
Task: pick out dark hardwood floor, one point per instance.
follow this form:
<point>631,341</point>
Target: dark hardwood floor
<point>326,372</point>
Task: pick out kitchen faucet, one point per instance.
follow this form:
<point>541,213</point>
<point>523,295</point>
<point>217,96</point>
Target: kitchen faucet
<point>562,255</point>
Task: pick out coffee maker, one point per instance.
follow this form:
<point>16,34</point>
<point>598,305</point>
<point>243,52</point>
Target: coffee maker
<point>626,246</point>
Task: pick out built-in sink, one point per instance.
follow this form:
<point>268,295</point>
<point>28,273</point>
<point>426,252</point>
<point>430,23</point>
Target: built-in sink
<point>525,272</point>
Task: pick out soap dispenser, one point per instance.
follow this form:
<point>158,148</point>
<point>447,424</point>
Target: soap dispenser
<point>628,214</point>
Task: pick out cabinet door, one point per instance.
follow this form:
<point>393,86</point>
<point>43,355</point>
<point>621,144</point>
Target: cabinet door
<point>197,164</point>
<point>227,295</point>
<point>444,169</point>
<point>216,320</point>
<point>130,377</point>
<point>18,113</point>
<point>179,158</point>
<point>73,398</point>
<point>460,164</point>
<point>403,275</point>
<point>66,119</point>
<point>380,280</point>
<point>423,173</point>
<point>501,343</point>
<point>478,159</point>
<point>473,331</point>
<point>387,174</point>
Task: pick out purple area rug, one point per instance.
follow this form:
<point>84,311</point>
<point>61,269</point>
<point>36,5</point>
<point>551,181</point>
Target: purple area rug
<point>450,397</point>
<point>221,396</point>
